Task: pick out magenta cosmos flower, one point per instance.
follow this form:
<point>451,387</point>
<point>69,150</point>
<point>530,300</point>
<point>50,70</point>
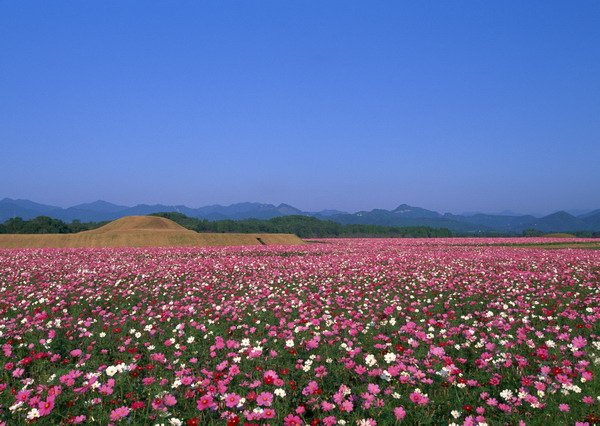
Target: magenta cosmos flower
<point>205,402</point>
<point>232,400</point>
<point>119,413</point>
<point>265,399</point>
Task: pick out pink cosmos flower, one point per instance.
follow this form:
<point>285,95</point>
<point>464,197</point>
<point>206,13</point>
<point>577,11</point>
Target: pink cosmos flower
<point>505,407</point>
<point>329,421</point>
<point>147,381</point>
<point>418,398</point>
<point>399,413</point>
<point>206,401</point>
<point>45,407</point>
<point>268,413</point>
<point>564,407</point>
<point>437,351</point>
<point>169,400</point>
<point>360,369</point>
<point>311,388</point>
<point>23,395</point>
<point>327,406</point>
<point>105,390</point>
<point>232,400</point>
<point>492,402</point>
<point>320,371</point>
<point>264,399</point>
<point>292,420</point>
<point>346,406</point>
<point>373,388</point>
<point>119,413</point>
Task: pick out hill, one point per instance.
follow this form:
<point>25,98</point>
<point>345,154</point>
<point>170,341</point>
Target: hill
<point>143,231</point>
<point>137,224</point>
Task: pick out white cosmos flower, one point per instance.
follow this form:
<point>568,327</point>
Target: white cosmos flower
<point>370,360</point>
<point>33,414</point>
<point>111,370</point>
<point>390,357</point>
<point>385,376</point>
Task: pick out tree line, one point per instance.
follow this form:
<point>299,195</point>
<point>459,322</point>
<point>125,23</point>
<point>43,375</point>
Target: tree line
<point>45,225</point>
<point>303,226</point>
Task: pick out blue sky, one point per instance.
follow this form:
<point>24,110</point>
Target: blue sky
<point>452,106</point>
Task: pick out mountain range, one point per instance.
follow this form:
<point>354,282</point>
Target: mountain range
<point>403,215</point>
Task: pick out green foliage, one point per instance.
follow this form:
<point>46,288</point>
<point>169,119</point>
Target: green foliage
<point>586,234</point>
<point>532,233</point>
<point>303,226</point>
<point>45,225</point>
<point>183,220</point>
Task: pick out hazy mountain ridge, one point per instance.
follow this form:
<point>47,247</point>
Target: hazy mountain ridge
<point>403,215</point>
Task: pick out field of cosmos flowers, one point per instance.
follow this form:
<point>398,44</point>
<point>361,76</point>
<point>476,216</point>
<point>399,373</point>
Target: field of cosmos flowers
<point>354,332</point>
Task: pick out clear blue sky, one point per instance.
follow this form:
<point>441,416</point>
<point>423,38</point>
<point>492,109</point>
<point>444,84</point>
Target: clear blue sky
<point>448,105</point>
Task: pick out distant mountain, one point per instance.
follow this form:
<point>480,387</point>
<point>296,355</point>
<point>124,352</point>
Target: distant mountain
<point>593,220</point>
<point>500,213</point>
<point>404,210</point>
<point>100,207</point>
<point>413,216</point>
<point>144,209</point>
<point>327,213</point>
<point>404,215</point>
<point>508,213</point>
<point>559,222</point>
<point>589,214</point>
<point>579,212</point>
<point>499,223</point>
<point>24,209</point>
<point>245,211</point>
<point>30,205</point>
<point>97,211</point>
